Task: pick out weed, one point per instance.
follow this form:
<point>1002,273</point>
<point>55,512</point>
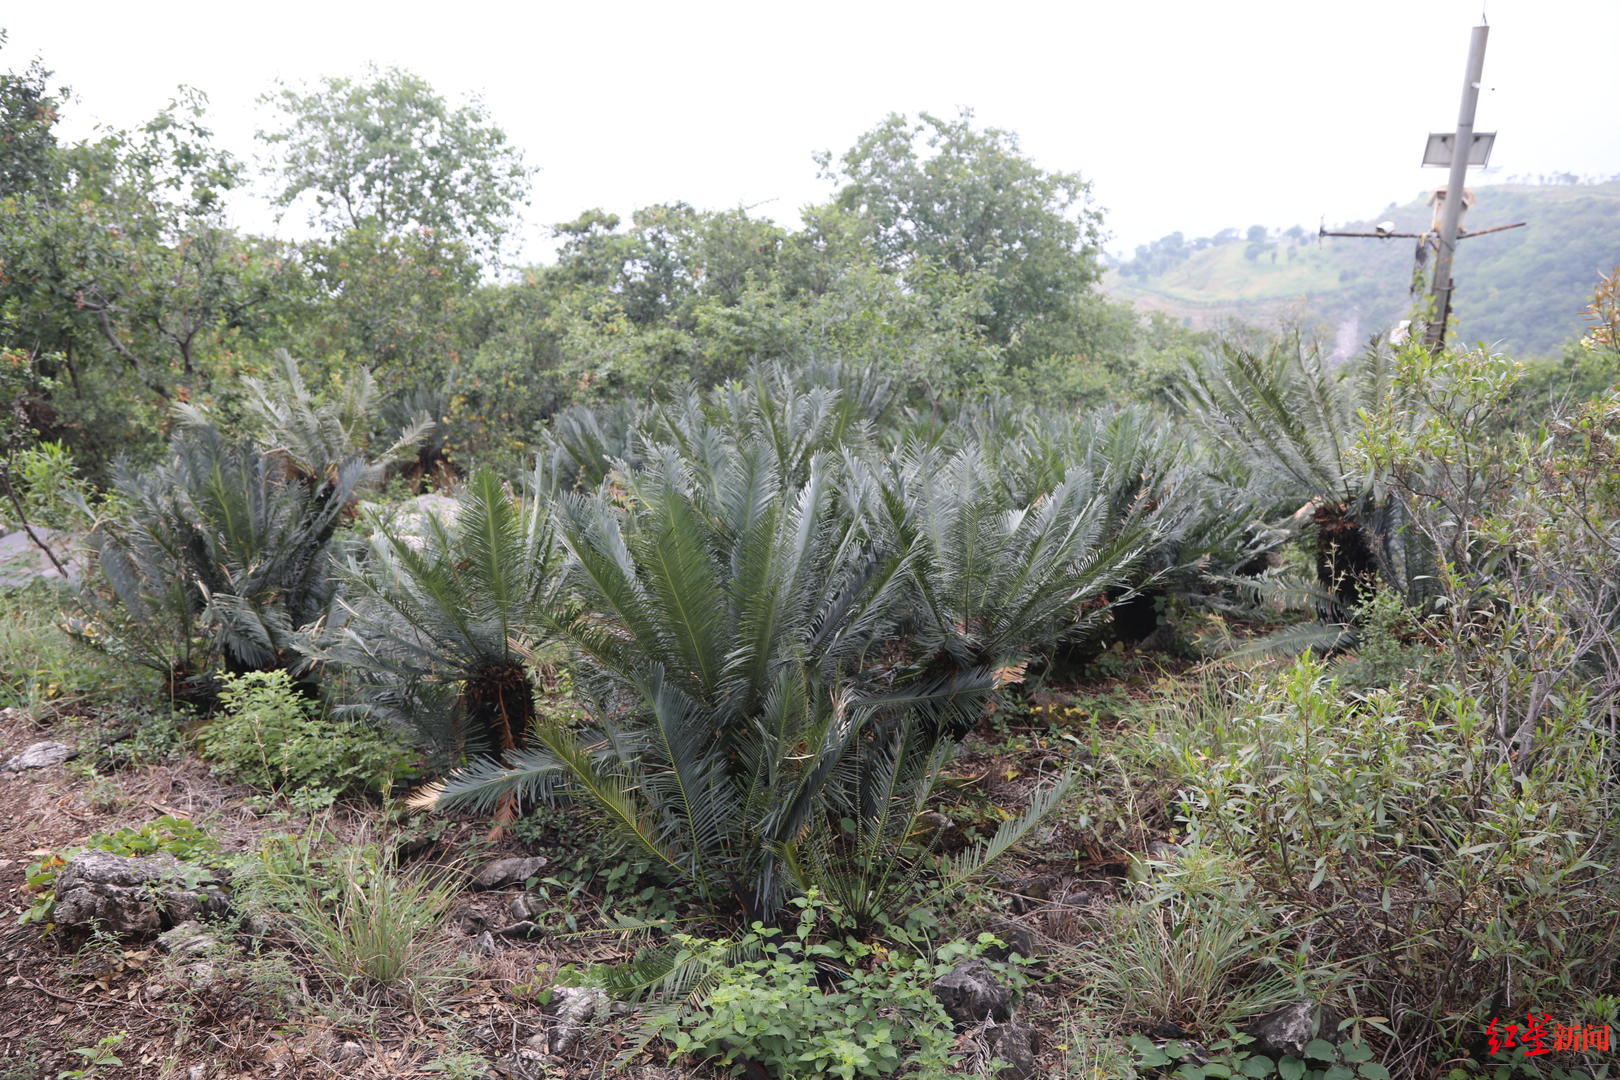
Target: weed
<point>1197,954</point>
<point>1227,1057</point>
<point>102,1053</point>
<point>43,672</point>
<point>271,736</point>
<point>365,927</point>
<point>807,1003</point>
<point>458,1065</point>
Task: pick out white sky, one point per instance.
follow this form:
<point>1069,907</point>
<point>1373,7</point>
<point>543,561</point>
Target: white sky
<point>1185,114</point>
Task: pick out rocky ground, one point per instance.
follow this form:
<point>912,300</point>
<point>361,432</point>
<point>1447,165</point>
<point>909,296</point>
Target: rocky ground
<point>180,984</point>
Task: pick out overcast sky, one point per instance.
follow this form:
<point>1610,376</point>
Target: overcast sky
<point>1184,115</point>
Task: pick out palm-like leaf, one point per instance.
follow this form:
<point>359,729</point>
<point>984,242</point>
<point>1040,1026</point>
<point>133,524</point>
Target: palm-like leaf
<point>1288,427</point>
<point>458,605</point>
<point>779,640</point>
<point>219,560</point>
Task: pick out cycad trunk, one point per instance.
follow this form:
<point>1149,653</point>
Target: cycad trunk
<point>500,707</point>
<point>1345,561</point>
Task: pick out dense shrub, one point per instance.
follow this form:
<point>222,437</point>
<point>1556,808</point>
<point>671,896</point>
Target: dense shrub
<point>1429,880</point>
<point>270,735</point>
<point>770,1001</point>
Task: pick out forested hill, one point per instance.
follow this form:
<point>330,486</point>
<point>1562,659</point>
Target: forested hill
<point>1525,289</point>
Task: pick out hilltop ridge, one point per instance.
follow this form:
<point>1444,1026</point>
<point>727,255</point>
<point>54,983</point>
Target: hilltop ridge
<point>1525,290</point>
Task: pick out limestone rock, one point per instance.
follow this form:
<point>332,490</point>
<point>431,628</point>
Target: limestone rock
<point>408,521</point>
<point>189,938</point>
<point>134,894</point>
<point>521,1064</point>
<point>1018,1045</point>
<point>1285,1031</point>
<point>1017,938</point>
<point>526,907</point>
<point>38,756</point>
<point>349,1051</point>
<point>576,1006</point>
<point>503,872</point>
<point>970,993</point>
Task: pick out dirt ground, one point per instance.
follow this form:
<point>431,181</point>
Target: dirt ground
<point>266,1018</point>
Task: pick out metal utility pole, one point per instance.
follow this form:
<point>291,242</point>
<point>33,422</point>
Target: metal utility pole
<point>1435,335</point>
<point>1453,151</point>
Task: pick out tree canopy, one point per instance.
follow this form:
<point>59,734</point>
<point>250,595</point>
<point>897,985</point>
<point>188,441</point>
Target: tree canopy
<point>388,151</point>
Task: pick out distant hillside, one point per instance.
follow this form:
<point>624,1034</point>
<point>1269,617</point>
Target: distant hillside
<point>1525,289</point>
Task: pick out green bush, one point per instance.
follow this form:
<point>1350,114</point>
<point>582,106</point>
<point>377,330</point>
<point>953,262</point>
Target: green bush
<point>48,485</point>
<point>270,735</point>
<point>803,1005</point>
<point>1427,875</point>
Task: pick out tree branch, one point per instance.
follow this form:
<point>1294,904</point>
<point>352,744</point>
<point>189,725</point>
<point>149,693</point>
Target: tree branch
<point>22,516</point>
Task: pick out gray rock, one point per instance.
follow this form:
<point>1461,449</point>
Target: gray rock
<point>206,979</point>
<point>190,938</point>
<point>21,561</point>
<point>408,520</point>
<point>38,756</point>
<point>576,1006</point>
<point>526,907</point>
<point>1018,938</point>
<point>1018,1045</point>
<point>504,872</point>
<point>1285,1031</point>
<point>524,929</point>
<point>485,944</point>
<point>521,1064</point>
<point>349,1051</point>
<point>970,993</point>
<point>134,894</point>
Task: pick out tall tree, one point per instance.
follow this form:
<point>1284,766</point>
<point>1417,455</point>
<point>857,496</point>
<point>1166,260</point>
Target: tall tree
<point>389,152</point>
<point>950,203</point>
<point>119,276</point>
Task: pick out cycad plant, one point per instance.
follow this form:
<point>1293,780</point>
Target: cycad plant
<point>1288,425</point>
<point>799,412</point>
<point>1150,476</point>
<point>313,437</point>
<point>991,580</point>
<point>218,557</point>
<point>440,626</point>
<point>216,561</point>
<point>765,716</point>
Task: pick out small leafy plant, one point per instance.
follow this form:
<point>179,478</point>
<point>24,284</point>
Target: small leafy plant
<point>798,1004</point>
<point>271,736</point>
<point>102,1053</point>
<point>1322,1060</point>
